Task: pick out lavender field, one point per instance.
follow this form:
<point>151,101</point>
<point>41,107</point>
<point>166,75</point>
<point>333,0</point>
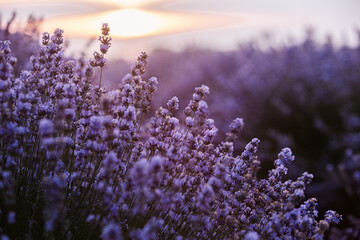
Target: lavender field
<point>247,144</point>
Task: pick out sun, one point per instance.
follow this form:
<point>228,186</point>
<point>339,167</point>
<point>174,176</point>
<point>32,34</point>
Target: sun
<point>134,3</point>
<point>132,22</point>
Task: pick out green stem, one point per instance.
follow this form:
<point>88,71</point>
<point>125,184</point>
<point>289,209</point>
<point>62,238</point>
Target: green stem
<point>100,76</point>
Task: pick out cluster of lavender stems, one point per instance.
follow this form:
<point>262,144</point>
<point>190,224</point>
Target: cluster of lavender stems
<point>79,162</point>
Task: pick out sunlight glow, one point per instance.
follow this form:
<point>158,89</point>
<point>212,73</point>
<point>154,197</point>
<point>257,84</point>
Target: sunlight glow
<point>136,22</point>
<point>132,22</point>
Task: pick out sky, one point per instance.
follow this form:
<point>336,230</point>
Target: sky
<point>144,25</point>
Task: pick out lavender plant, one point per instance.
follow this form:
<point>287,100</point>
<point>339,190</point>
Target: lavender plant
<point>77,162</point>
<point>302,94</point>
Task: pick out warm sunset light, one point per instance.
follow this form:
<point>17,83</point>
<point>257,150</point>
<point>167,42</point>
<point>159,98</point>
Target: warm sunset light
<point>132,22</point>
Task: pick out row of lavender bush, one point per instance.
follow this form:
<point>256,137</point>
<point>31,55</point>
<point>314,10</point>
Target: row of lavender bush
<point>77,162</point>
<point>304,95</point>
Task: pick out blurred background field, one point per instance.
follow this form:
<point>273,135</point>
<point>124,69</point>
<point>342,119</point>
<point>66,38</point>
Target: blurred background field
<point>295,86</point>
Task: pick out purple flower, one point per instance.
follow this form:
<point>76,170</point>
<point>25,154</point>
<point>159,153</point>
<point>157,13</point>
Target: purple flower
<point>112,232</point>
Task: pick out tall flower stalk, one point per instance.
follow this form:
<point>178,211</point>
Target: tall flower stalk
<point>105,43</point>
